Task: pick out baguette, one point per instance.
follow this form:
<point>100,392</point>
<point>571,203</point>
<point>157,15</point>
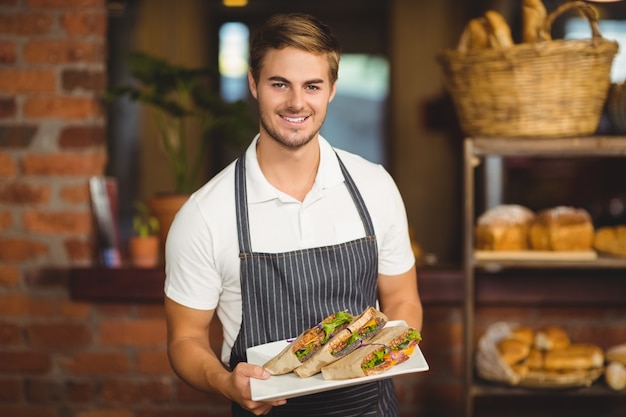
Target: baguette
<point>533,17</point>
<point>499,30</point>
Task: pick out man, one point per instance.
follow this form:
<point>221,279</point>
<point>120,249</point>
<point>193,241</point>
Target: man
<point>291,232</point>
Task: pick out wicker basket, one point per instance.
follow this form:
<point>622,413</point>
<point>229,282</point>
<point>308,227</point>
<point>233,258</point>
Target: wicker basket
<point>547,89</point>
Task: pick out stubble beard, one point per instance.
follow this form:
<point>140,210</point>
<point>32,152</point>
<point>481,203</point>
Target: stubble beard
<point>293,139</point>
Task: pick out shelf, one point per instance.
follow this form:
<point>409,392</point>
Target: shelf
<point>483,388</point>
<point>559,147</point>
<point>599,263</point>
<point>116,284</point>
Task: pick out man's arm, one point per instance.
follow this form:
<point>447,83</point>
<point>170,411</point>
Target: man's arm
<point>196,363</point>
<point>399,298</point>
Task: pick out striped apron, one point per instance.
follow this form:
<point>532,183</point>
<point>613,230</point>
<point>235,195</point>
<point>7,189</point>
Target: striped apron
<point>285,293</point>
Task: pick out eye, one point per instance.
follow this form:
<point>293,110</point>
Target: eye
<point>279,85</point>
<point>312,87</point>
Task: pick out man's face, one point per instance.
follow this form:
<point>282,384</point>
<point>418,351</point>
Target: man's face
<point>293,93</point>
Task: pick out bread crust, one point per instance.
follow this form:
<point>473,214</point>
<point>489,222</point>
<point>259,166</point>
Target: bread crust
<point>562,228</point>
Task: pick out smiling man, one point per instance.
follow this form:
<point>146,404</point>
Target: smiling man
<point>291,232</point>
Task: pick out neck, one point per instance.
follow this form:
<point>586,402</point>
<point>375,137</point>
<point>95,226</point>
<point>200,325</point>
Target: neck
<point>291,171</point>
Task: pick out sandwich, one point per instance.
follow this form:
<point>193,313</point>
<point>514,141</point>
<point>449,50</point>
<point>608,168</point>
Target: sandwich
<point>392,346</point>
<point>308,343</point>
<point>365,326</point>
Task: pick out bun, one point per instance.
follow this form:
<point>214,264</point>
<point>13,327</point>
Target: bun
<point>524,334</point>
<point>535,360</point>
<point>504,228</point>
<point>562,228</point>
<point>611,240</point>
<point>552,338</point>
<point>499,30</point>
<point>615,376</point>
<point>533,17</point>
<point>512,350</point>
<point>574,357</point>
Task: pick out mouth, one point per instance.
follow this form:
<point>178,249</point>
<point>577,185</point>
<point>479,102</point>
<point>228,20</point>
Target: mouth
<point>296,120</point>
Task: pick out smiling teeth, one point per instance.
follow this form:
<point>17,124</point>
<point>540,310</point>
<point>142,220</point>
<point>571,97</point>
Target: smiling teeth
<point>295,120</point>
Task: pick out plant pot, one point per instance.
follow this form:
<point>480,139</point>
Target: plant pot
<point>164,207</point>
<point>144,251</point>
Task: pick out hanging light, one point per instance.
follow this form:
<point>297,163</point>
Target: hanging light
<point>235,3</point>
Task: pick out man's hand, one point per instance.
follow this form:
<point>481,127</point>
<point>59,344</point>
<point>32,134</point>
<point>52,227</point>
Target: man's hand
<point>240,388</point>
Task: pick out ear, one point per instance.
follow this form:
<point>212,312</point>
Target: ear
<point>252,84</point>
<point>333,91</point>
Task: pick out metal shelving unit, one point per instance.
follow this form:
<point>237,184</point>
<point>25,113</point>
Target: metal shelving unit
<point>476,150</point>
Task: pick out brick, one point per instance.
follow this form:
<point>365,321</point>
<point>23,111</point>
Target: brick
<point>58,335</point>
<point>57,222</point>
<point>84,24</point>
<point>13,81</point>
<point>10,334</point>
<point>188,395</point>
<point>80,137</point>
<point>154,362</point>
<point>135,392</point>
<point>30,411</point>
<point>8,167</point>
<point>63,52</point>
<point>24,193</point>
<point>79,250</point>
<point>21,249</point>
<point>6,221</point>
<point>9,275</point>
<point>25,361</point>
<point>44,391</point>
<point>94,81</point>
<point>8,107</point>
<point>67,108</point>
<point>10,390</point>
<point>54,4</point>
<point>17,136</point>
<point>75,309</point>
<point>137,332</point>
<point>65,164</point>
<point>45,277</point>
<point>106,413</point>
<point>81,391</point>
<point>21,305</point>
<point>75,194</point>
<point>24,24</point>
<point>7,52</point>
<point>97,363</point>
<point>151,311</point>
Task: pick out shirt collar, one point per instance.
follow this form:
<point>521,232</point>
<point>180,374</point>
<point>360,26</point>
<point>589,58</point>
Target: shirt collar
<point>260,190</point>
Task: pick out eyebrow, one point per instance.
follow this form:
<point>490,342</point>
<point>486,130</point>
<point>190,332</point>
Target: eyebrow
<point>286,81</point>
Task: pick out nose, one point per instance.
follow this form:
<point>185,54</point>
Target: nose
<point>296,99</point>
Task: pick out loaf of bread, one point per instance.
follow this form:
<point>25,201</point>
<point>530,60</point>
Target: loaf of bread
<point>615,376</point>
<point>475,36</point>
<point>574,357</point>
<point>562,228</point>
<point>617,354</point>
<point>611,240</point>
<point>504,228</point>
<point>499,30</point>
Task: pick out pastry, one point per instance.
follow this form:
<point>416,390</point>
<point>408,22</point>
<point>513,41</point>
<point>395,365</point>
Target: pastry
<point>533,17</point>
<point>551,338</point>
<point>611,240</point>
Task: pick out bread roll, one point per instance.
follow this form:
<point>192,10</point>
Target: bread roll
<point>512,350</point>
<point>615,376</point>
<point>533,17</point>
<point>475,35</point>
<point>551,338</point>
<point>534,360</point>
<point>562,228</point>
<point>499,30</point>
<point>574,357</point>
<point>611,240</point>
<point>617,354</point>
<point>504,228</point>
<point>524,334</point>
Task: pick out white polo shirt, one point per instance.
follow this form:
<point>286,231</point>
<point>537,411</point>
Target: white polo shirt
<point>202,250</point>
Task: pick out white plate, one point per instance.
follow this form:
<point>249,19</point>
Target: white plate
<point>290,385</point>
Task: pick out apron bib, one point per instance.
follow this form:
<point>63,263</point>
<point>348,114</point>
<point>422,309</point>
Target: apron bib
<point>285,293</point>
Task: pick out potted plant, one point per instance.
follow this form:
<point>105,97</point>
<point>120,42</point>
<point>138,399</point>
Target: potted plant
<point>182,99</point>
<point>144,244</point>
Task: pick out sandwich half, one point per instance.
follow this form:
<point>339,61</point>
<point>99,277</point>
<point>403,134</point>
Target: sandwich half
<point>308,343</point>
<point>365,326</point>
<point>392,346</point>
